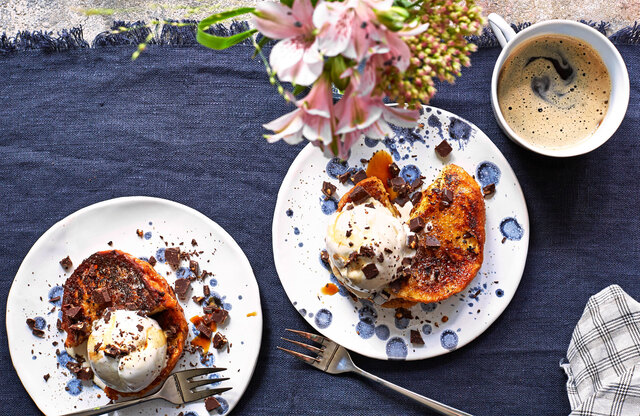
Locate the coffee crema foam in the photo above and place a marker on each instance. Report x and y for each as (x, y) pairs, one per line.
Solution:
(553, 91)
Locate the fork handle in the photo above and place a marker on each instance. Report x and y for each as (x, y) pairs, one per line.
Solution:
(434, 405)
(111, 407)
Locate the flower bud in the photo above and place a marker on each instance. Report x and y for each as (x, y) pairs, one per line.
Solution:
(337, 66)
(393, 18)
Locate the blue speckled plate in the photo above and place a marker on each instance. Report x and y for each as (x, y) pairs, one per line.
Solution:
(302, 214)
(89, 230)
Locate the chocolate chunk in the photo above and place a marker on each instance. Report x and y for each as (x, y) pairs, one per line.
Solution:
(328, 189)
(344, 177)
(359, 195)
(110, 243)
(172, 255)
(431, 241)
(96, 347)
(367, 251)
(416, 198)
(182, 287)
(46, 377)
(394, 170)
(152, 261)
(66, 263)
(416, 224)
(401, 200)
(388, 250)
(416, 184)
(114, 351)
(416, 338)
(443, 149)
(209, 309)
(210, 403)
(73, 366)
(107, 315)
(412, 242)
(72, 312)
(198, 299)
(370, 205)
(139, 327)
(130, 306)
(489, 190)
(406, 262)
(219, 340)
(206, 291)
(359, 176)
(85, 374)
(348, 233)
(370, 271)
(403, 313)
(380, 258)
(364, 161)
(194, 267)
(395, 285)
(219, 315)
(205, 331)
(59, 325)
(140, 233)
(397, 183)
(54, 299)
(102, 296)
(194, 242)
(38, 332)
(447, 196)
(31, 323)
(324, 257)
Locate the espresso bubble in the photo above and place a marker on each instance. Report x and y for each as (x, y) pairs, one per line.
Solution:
(550, 91)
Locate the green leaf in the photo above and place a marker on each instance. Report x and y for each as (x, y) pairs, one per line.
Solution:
(221, 42)
(299, 89)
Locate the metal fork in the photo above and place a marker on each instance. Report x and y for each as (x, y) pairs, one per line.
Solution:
(335, 359)
(179, 388)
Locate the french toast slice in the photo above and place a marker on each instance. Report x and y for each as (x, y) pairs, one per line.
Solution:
(129, 283)
(451, 246)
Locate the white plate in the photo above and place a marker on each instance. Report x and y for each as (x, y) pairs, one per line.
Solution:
(300, 222)
(89, 230)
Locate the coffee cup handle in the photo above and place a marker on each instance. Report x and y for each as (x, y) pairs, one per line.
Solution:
(503, 31)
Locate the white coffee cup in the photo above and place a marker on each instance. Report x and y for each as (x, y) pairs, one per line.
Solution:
(618, 100)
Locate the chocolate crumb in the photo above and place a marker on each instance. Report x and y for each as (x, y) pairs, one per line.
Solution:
(85, 374)
(344, 177)
(412, 242)
(324, 257)
(416, 338)
(416, 198)
(152, 261)
(443, 149)
(206, 291)
(46, 377)
(110, 243)
(66, 263)
(198, 299)
(194, 267)
(140, 233)
(194, 242)
(54, 299)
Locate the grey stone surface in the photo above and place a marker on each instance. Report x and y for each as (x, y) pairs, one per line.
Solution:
(54, 15)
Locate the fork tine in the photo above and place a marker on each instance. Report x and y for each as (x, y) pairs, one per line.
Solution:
(206, 393)
(198, 383)
(188, 374)
(303, 345)
(305, 358)
(313, 337)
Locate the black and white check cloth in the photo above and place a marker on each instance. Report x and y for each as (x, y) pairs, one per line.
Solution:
(603, 359)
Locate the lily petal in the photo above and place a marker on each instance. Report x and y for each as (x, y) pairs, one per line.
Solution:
(275, 20)
(287, 60)
(319, 100)
(284, 126)
(400, 116)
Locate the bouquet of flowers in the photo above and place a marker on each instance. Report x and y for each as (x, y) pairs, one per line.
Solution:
(367, 50)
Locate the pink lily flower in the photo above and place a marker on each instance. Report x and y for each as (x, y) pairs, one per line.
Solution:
(312, 119)
(295, 58)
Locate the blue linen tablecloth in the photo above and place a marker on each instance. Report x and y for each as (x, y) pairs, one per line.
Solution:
(184, 123)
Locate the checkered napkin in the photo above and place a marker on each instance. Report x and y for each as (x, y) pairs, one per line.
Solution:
(603, 359)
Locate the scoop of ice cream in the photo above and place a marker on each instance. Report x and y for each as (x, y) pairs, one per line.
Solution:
(366, 245)
(127, 351)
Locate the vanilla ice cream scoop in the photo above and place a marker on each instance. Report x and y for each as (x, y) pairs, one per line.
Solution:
(366, 245)
(127, 351)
